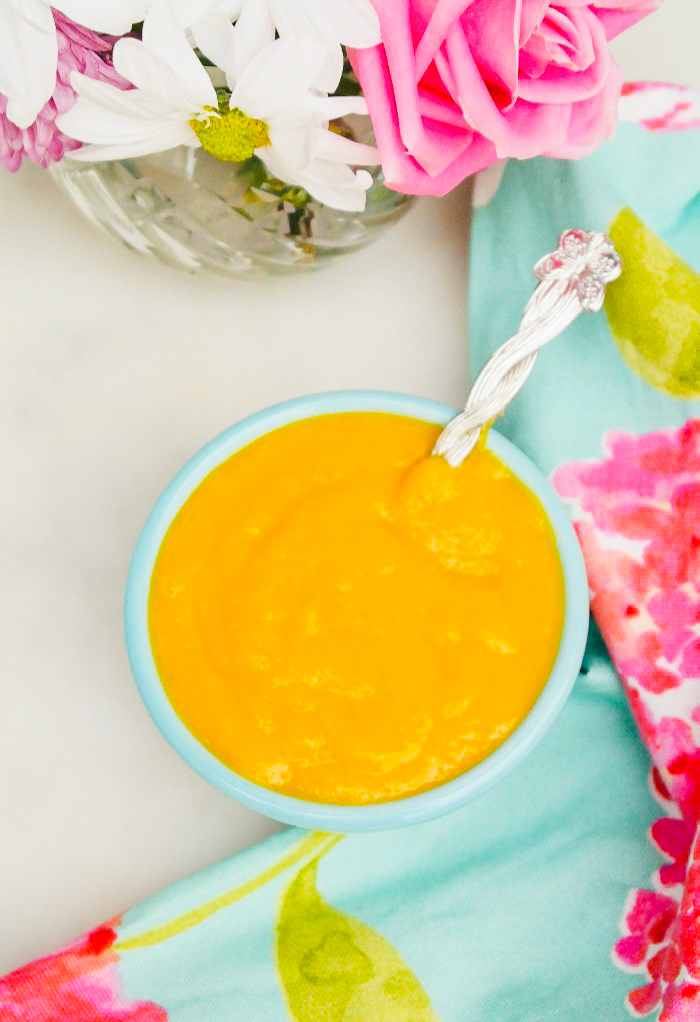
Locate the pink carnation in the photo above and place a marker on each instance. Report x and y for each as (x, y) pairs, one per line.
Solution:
(457, 84)
(42, 142)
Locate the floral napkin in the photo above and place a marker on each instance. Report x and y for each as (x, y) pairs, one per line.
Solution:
(636, 502)
(507, 909)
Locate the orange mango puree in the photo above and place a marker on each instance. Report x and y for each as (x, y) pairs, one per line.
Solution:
(341, 618)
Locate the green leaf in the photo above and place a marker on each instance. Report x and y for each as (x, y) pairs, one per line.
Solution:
(334, 968)
(654, 309)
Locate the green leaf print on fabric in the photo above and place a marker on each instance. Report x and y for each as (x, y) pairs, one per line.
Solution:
(334, 968)
(654, 309)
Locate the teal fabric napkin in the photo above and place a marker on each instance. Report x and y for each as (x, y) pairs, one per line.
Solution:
(509, 908)
(611, 410)
(505, 910)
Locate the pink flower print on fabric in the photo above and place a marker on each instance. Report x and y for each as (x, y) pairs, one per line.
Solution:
(660, 106)
(637, 515)
(650, 923)
(673, 838)
(80, 984)
(679, 970)
(42, 142)
(647, 920)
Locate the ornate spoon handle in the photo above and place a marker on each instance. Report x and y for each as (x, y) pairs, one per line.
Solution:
(571, 279)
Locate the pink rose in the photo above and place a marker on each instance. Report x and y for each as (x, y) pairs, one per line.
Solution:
(457, 84)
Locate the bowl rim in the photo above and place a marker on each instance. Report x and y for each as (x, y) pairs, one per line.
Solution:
(412, 808)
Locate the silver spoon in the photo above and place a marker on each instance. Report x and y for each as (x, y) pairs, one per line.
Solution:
(572, 278)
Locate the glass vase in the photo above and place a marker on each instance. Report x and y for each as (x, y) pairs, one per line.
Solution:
(194, 212)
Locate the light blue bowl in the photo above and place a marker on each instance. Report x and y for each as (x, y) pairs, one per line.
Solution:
(413, 808)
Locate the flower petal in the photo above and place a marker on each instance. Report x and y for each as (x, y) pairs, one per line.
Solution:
(215, 36)
(277, 77)
(332, 107)
(254, 31)
(163, 36)
(157, 142)
(332, 22)
(189, 12)
(292, 145)
(350, 22)
(28, 59)
(112, 16)
(328, 145)
(163, 82)
(100, 98)
(336, 185)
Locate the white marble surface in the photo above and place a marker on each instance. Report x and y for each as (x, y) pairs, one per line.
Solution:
(113, 370)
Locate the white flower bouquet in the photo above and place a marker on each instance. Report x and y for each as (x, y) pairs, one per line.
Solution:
(451, 86)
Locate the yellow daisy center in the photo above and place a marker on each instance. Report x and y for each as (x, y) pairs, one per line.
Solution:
(231, 136)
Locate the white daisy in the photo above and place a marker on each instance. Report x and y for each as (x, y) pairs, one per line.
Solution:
(29, 49)
(273, 111)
